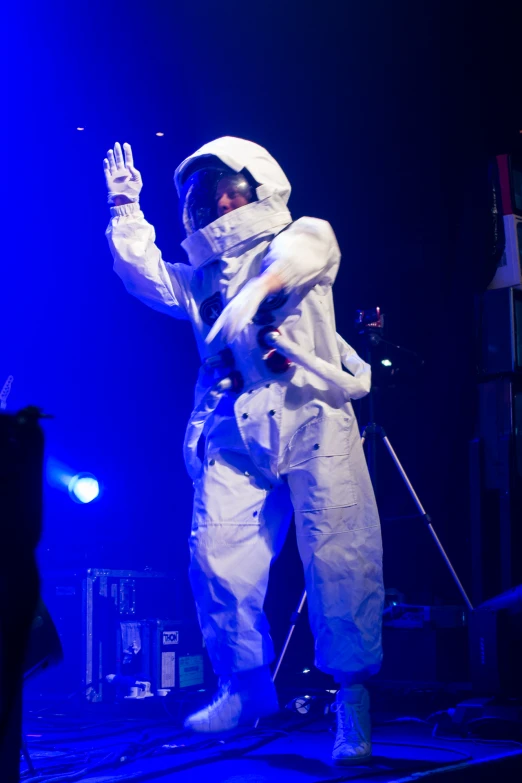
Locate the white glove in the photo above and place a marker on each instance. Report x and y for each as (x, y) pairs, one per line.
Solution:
(120, 175)
(239, 311)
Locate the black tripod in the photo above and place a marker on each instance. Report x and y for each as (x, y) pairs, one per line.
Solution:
(371, 327)
(375, 430)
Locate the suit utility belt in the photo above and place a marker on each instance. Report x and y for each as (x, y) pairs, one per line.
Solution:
(280, 354)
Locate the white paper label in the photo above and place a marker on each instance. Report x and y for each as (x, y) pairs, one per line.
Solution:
(168, 670)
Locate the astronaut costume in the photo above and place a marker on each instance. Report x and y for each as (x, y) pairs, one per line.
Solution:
(280, 436)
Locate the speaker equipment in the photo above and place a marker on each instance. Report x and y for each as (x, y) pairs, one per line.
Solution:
(21, 457)
(501, 332)
(425, 645)
(44, 648)
(173, 655)
(496, 489)
(495, 639)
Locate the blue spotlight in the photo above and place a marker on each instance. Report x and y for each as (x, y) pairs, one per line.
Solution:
(83, 488)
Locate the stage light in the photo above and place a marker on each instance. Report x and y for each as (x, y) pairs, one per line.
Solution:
(306, 671)
(160, 134)
(80, 128)
(83, 488)
(386, 363)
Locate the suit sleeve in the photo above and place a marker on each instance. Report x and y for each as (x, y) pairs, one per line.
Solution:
(138, 262)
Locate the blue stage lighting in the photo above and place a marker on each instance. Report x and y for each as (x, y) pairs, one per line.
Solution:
(84, 488)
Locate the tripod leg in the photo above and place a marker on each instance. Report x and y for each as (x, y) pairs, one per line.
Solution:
(427, 520)
(27, 757)
(293, 622)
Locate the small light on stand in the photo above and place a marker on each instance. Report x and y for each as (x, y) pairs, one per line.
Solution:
(386, 363)
(80, 129)
(160, 133)
(306, 671)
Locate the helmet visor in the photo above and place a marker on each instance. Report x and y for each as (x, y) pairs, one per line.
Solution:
(211, 192)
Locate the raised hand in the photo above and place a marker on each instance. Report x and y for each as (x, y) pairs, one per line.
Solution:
(123, 180)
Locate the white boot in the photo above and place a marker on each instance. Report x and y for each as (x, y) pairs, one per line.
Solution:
(353, 741)
(239, 700)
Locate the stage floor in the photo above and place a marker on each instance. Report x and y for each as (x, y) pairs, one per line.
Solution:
(97, 743)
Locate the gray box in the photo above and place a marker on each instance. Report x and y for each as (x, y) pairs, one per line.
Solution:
(173, 655)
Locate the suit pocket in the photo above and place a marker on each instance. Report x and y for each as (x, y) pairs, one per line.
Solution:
(320, 472)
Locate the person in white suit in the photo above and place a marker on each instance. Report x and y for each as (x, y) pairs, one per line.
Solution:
(281, 437)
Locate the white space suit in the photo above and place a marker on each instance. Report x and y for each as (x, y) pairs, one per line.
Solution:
(288, 442)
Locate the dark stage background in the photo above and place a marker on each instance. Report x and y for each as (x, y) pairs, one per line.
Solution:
(383, 115)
